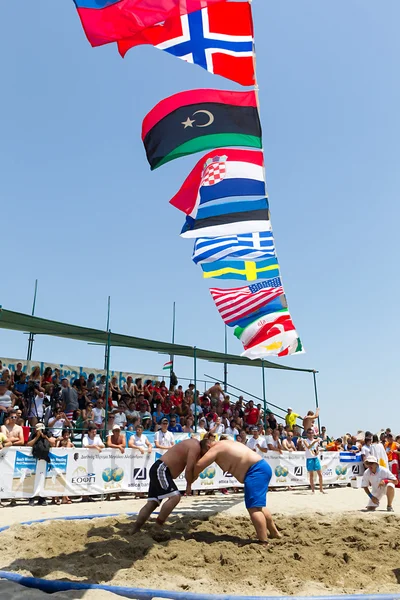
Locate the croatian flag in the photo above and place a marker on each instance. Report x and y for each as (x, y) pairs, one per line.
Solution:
(218, 38)
(222, 173)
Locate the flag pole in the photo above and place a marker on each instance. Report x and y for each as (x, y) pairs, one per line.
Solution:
(226, 364)
(171, 358)
(106, 349)
(31, 338)
(195, 385)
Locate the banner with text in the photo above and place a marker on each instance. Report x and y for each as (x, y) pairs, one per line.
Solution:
(72, 372)
(82, 472)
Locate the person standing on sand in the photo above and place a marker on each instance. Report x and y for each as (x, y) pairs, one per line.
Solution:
(254, 472)
(313, 463)
(162, 474)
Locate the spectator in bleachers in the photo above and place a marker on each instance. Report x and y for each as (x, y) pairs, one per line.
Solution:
(131, 412)
(11, 430)
(288, 443)
(20, 387)
(7, 400)
(128, 390)
(188, 427)
(35, 377)
(115, 392)
(17, 373)
(174, 426)
(92, 440)
(232, 430)
(58, 422)
(139, 441)
(36, 409)
(69, 398)
(56, 379)
(120, 417)
(201, 428)
(218, 428)
(251, 415)
(138, 387)
(273, 442)
(99, 414)
(163, 438)
(257, 443)
(46, 377)
(116, 439)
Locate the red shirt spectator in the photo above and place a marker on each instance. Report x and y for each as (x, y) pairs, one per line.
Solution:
(176, 400)
(251, 414)
(164, 389)
(166, 405)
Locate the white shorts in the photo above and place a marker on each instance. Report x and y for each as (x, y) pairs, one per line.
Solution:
(379, 493)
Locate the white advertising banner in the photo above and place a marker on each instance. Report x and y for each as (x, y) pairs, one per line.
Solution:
(72, 372)
(82, 472)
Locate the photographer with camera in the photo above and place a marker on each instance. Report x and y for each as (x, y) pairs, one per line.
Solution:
(40, 444)
(34, 404)
(58, 422)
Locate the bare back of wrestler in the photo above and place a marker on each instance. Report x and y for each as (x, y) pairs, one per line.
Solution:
(254, 472)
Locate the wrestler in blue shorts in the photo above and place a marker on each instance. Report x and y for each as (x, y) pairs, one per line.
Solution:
(251, 470)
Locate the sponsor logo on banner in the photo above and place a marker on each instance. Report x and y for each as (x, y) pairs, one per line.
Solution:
(56, 471)
(24, 473)
(112, 477)
(139, 474)
(355, 469)
(81, 477)
(208, 475)
(298, 471)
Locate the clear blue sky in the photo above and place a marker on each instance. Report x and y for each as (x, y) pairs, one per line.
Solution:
(82, 212)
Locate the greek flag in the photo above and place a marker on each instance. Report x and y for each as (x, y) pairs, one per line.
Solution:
(245, 245)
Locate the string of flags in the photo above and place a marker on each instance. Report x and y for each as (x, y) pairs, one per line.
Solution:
(224, 198)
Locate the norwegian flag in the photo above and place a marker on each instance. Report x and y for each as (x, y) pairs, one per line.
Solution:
(218, 38)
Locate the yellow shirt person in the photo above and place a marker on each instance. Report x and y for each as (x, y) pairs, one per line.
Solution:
(290, 418)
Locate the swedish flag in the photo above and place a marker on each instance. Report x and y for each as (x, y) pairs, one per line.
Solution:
(246, 270)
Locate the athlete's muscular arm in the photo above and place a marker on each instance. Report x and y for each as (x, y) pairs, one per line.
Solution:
(193, 455)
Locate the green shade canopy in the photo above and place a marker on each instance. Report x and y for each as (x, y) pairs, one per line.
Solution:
(20, 322)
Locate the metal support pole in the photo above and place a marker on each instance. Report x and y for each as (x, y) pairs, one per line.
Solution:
(226, 364)
(195, 385)
(108, 327)
(31, 336)
(107, 381)
(316, 396)
(264, 397)
(171, 358)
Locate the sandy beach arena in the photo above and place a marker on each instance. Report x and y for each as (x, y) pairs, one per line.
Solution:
(328, 547)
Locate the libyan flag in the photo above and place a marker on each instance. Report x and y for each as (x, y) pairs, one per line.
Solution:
(199, 120)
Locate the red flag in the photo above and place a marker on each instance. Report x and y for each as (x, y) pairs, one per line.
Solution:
(106, 21)
(218, 38)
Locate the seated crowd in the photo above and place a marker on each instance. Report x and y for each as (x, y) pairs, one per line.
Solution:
(80, 414)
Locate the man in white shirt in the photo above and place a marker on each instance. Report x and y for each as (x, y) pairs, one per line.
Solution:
(366, 450)
(120, 418)
(164, 439)
(201, 428)
(92, 440)
(257, 443)
(382, 483)
(99, 414)
(232, 430)
(273, 442)
(218, 428)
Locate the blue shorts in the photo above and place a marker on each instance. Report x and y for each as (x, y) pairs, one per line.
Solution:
(256, 484)
(313, 464)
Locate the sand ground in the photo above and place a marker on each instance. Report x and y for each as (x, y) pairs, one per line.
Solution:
(329, 546)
